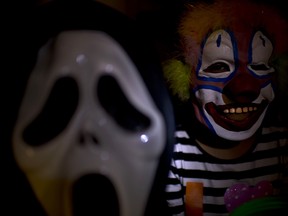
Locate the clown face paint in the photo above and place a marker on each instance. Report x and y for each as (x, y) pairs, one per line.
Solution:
(232, 88)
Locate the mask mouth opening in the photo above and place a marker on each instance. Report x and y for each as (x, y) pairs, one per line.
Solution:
(236, 117)
(94, 194)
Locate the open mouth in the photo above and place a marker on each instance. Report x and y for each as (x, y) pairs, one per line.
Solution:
(236, 117)
(94, 194)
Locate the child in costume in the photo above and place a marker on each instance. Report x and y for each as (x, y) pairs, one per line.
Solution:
(227, 77)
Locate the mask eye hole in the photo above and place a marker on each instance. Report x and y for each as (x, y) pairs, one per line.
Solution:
(117, 105)
(56, 114)
(259, 67)
(218, 67)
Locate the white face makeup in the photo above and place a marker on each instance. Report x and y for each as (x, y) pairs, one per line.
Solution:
(217, 56)
(232, 94)
(79, 70)
(261, 51)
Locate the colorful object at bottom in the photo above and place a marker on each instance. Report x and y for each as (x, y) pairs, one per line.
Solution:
(266, 206)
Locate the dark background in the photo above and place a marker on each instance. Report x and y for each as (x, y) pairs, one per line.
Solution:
(158, 18)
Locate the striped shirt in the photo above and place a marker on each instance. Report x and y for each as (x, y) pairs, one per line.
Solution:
(268, 161)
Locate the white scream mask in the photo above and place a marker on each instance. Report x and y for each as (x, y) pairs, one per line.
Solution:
(86, 113)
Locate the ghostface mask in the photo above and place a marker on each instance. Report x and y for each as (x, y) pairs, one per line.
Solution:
(89, 134)
(85, 113)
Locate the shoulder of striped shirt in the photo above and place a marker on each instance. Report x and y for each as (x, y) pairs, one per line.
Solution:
(183, 134)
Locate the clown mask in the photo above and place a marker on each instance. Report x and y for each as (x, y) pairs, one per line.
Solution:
(226, 65)
(233, 83)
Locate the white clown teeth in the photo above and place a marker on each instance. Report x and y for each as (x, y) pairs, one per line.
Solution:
(239, 110)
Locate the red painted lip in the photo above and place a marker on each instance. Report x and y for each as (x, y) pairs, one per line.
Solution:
(222, 119)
